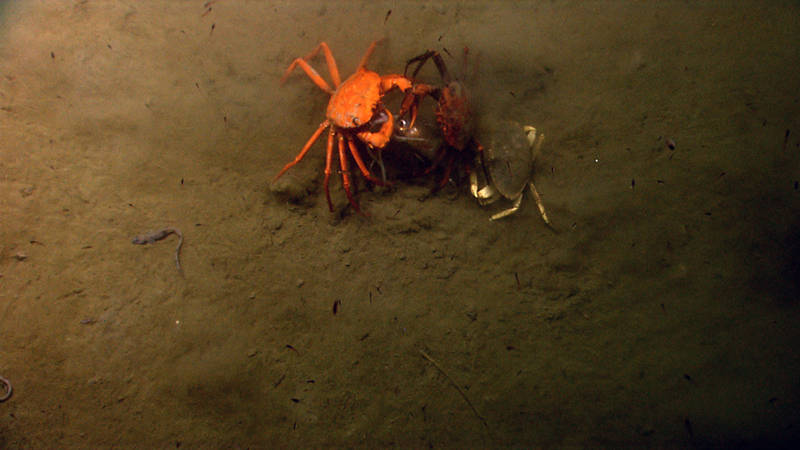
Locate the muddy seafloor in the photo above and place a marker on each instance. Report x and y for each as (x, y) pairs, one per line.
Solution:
(663, 310)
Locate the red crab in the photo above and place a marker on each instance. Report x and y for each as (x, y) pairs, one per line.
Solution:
(454, 113)
(355, 111)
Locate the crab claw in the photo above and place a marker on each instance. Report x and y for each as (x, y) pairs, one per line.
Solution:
(412, 98)
(379, 138)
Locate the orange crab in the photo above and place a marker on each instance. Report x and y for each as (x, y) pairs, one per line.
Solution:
(354, 111)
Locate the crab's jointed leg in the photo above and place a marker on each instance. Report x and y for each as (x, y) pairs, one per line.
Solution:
(313, 74)
(509, 211)
(346, 175)
(328, 159)
(360, 163)
(368, 53)
(539, 203)
(305, 149)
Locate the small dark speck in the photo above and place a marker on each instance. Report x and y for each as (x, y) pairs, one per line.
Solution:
(52, 55)
(181, 181)
(633, 183)
(510, 347)
(687, 377)
(795, 185)
(708, 213)
(670, 143)
(296, 400)
(688, 424)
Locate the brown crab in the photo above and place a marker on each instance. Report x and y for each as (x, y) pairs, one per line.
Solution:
(505, 166)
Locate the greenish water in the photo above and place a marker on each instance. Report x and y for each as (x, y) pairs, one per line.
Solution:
(660, 310)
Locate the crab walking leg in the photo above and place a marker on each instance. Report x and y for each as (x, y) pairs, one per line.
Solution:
(451, 159)
(346, 175)
(377, 157)
(473, 184)
(440, 154)
(305, 149)
(421, 59)
(539, 203)
(313, 74)
(537, 147)
(332, 68)
(368, 53)
(509, 211)
(443, 72)
(318, 80)
(360, 163)
(328, 158)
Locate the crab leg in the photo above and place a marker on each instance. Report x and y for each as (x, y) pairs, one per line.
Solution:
(360, 163)
(509, 211)
(305, 149)
(451, 159)
(437, 59)
(318, 80)
(313, 74)
(440, 154)
(419, 58)
(346, 175)
(368, 53)
(539, 203)
(332, 68)
(328, 158)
